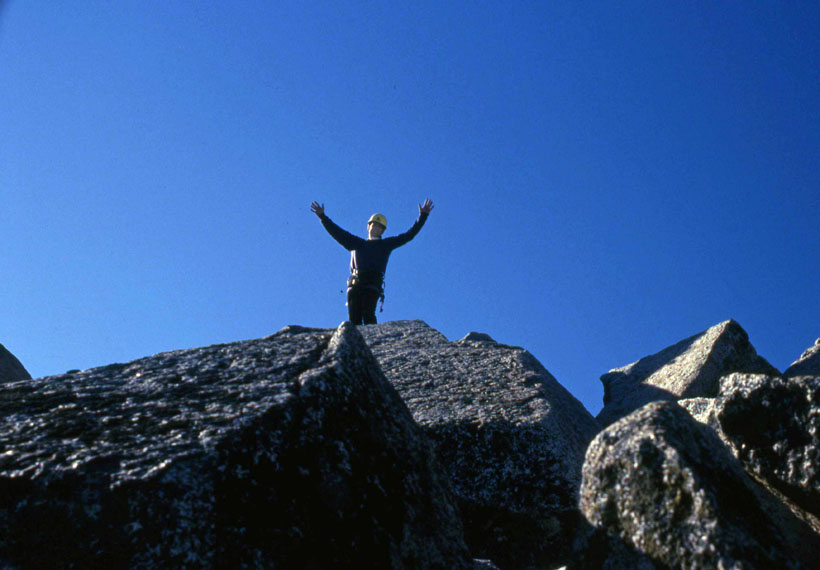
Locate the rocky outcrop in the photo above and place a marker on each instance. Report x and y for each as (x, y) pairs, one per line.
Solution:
(808, 364)
(689, 369)
(386, 446)
(773, 426)
(511, 437)
(10, 367)
(702, 409)
(477, 337)
(662, 490)
(286, 452)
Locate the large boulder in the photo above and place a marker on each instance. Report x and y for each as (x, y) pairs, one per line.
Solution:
(662, 490)
(10, 368)
(808, 364)
(512, 438)
(291, 451)
(773, 426)
(691, 368)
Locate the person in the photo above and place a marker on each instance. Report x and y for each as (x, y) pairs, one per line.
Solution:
(368, 259)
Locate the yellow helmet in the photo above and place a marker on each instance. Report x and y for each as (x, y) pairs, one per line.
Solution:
(379, 219)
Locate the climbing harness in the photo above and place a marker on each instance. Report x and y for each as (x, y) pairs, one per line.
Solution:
(369, 279)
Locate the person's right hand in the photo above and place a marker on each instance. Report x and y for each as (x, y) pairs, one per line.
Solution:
(427, 207)
(318, 209)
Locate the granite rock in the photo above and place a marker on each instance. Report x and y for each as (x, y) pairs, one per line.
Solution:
(10, 368)
(291, 451)
(691, 368)
(665, 490)
(808, 364)
(511, 437)
(477, 337)
(702, 409)
(773, 426)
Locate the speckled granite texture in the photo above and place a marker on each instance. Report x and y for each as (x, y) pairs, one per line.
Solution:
(691, 368)
(511, 437)
(665, 488)
(291, 451)
(772, 425)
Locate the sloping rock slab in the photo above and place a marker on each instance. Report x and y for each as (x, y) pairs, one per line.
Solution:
(702, 409)
(291, 451)
(808, 364)
(773, 427)
(667, 488)
(10, 368)
(511, 437)
(689, 369)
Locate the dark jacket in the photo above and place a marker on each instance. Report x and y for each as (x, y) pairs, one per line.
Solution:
(370, 255)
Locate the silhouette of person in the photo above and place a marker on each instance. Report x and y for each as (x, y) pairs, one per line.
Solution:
(368, 259)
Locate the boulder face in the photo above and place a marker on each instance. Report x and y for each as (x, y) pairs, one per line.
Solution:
(662, 490)
(691, 368)
(511, 437)
(808, 364)
(10, 368)
(702, 409)
(291, 451)
(773, 427)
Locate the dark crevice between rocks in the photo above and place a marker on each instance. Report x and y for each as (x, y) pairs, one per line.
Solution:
(517, 541)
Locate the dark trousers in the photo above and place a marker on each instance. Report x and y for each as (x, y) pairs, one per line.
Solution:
(361, 305)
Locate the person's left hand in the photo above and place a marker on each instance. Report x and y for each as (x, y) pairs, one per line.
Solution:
(427, 207)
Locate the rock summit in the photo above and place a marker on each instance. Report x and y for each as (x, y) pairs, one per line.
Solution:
(391, 447)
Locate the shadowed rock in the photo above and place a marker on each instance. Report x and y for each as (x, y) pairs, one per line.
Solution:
(689, 369)
(773, 427)
(286, 452)
(808, 364)
(511, 437)
(482, 564)
(10, 368)
(662, 487)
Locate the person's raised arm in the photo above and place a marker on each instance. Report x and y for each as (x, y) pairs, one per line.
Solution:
(345, 238)
(424, 211)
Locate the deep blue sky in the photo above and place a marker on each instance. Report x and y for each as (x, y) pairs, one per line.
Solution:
(609, 178)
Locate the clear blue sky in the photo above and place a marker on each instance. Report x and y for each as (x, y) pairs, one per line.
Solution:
(608, 178)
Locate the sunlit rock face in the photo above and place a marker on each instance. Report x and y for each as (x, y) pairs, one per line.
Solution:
(661, 490)
(291, 451)
(702, 409)
(10, 368)
(691, 368)
(510, 436)
(808, 364)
